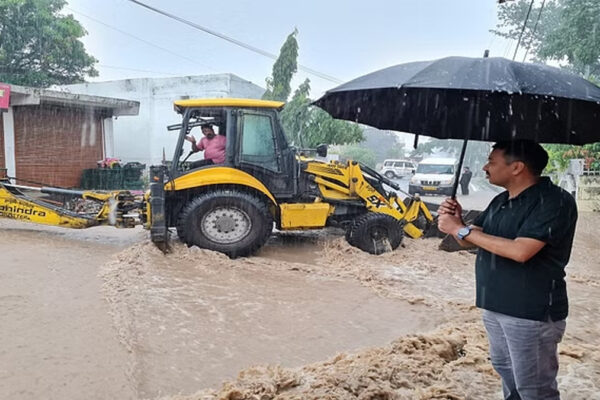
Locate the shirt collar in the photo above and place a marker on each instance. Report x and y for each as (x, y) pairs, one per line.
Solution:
(544, 181)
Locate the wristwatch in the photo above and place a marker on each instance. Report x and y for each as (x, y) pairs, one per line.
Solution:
(463, 232)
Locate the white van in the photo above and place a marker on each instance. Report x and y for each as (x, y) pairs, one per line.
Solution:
(434, 175)
(397, 168)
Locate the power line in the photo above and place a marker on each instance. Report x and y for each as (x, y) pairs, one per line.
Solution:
(137, 70)
(534, 28)
(523, 29)
(140, 39)
(235, 41)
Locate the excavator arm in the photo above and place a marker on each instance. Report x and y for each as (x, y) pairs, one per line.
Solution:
(356, 182)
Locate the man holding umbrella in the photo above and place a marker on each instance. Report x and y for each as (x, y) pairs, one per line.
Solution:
(526, 233)
(524, 237)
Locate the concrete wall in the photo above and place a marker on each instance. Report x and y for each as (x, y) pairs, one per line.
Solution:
(588, 193)
(143, 138)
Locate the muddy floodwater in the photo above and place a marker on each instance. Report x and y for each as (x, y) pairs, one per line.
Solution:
(102, 314)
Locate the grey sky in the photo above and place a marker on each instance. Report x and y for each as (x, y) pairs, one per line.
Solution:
(344, 39)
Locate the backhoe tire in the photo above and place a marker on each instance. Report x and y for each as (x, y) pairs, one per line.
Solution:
(375, 233)
(228, 221)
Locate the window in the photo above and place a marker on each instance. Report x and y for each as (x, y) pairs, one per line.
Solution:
(258, 142)
(435, 169)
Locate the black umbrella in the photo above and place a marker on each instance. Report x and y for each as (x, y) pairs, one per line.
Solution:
(490, 99)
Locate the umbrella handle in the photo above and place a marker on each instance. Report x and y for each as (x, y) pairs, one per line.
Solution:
(459, 168)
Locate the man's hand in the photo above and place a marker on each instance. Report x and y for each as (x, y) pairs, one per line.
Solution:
(450, 216)
(190, 138)
(450, 206)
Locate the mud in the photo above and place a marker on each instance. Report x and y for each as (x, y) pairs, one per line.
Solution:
(309, 317)
(193, 317)
(449, 362)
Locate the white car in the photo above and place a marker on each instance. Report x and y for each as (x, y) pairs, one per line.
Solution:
(397, 168)
(434, 176)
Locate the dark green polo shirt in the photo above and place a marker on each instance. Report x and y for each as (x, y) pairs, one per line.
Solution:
(535, 289)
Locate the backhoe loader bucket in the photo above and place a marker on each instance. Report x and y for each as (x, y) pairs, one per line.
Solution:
(419, 220)
(159, 234)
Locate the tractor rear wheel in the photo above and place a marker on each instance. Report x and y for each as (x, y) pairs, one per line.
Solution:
(229, 221)
(375, 233)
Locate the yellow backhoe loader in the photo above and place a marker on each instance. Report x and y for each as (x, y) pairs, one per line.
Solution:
(232, 207)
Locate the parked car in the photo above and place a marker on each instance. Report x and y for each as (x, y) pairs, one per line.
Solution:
(397, 168)
(434, 175)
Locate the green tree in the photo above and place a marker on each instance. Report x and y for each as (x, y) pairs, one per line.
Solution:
(310, 126)
(305, 125)
(358, 153)
(396, 151)
(286, 65)
(576, 37)
(567, 31)
(39, 47)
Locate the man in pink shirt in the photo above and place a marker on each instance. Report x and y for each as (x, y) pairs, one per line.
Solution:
(212, 144)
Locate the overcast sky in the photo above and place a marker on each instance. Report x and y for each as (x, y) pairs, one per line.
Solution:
(340, 38)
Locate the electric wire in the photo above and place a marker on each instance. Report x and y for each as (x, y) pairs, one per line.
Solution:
(141, 40)
(534, 29)
(523, 29)
(137, 70)
(234, 41)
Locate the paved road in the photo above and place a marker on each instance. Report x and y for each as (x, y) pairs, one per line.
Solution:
(480, 194)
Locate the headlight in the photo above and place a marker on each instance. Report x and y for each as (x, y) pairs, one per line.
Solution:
(414, 180)
(447, 182)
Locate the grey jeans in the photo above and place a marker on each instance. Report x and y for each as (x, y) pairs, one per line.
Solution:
(524, 353)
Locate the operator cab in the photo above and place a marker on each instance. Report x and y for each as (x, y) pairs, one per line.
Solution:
(255, 141)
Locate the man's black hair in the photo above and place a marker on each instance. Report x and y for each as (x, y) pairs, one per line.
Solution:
(530, 153)
(207, 125)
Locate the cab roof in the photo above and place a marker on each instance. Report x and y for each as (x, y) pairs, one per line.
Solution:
(226, 102)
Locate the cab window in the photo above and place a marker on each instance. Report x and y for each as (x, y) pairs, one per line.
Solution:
(258, 141)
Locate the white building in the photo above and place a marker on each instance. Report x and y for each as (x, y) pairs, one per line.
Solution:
(144, 137)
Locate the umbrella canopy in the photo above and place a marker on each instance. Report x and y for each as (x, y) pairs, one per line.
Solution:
(490, 99)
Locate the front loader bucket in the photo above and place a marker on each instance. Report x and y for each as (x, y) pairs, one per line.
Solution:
(159, 234)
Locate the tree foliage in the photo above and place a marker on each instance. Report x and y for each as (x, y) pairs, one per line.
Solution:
(40, 47)
(310, 126)
(305, 125)
(397, 151)
(576, 37)
(284, 68)
(567, 31)
(358, 153)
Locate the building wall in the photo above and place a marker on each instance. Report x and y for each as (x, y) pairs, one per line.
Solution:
(144, 137)
(2, 162)
(53, 144)
(588, 193)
